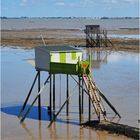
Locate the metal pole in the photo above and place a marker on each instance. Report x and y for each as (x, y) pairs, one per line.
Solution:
(67, 105)
(80, 118)
(50, 109)
(54, 93)
(39, 98)
(23, 107)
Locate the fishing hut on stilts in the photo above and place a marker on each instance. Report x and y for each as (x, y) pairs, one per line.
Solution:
(95, 37)
(69, 61)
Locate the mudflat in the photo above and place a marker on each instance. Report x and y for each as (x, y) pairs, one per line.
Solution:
(30, 38)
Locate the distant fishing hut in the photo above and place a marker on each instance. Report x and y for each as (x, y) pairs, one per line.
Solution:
(96, 37)
(69, 61)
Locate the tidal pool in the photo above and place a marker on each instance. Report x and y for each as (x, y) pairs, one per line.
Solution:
(116, 74)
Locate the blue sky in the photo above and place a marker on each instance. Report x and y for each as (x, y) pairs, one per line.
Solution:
(66, 8)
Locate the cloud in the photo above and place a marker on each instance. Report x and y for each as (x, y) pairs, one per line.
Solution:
(23, 2)
(78, 3)
(130, 1)
(109, 4)
(60, 3)
(111, 1)
(93, 2)
(120, 1)
(66, 4)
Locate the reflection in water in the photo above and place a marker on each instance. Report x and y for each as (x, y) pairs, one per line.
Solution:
(70, 133)
(51, 131)
(102, 136)
(68, 127)
(55, 131)
(28, 131)
(89, 133)
(98, 57)
(40, 129)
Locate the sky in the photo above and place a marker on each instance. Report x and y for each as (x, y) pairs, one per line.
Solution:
(70, 8)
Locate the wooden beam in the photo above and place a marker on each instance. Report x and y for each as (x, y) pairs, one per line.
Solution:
(39, 98)
(60, 110)
(102, 95)
(27, 112)
(80, 117)
(27, 98)
(67, 105)
(50, 107)
(82, 96)
(107, 101)
(54, 93)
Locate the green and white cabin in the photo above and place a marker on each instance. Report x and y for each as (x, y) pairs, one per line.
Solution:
(58, 59)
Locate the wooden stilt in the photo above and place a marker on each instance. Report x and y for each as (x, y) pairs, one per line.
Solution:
(67, 105)
(53, 93)
(107, 101)
(89, 110)
(27, 98)
(80, 117)
(50, 108)
(82, 96)
(27, 112)
(39, 98)
(60, 110)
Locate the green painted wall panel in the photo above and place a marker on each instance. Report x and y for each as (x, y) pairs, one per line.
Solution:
(74, 69)
(62, 57)
(63, 68)
(73, 55)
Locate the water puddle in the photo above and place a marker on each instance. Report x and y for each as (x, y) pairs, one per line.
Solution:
(116, 74)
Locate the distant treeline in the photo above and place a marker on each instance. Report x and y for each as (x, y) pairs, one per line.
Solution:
(4, 17)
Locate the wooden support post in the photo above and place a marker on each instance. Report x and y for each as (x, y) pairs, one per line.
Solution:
(87, 44)
(60, 110)
(107, 101)
(89, 104)
(53, 93)
(80, 117)
(50, 107)
(67, 105)
(26, 100)
(27, 112)
(106, 39)
(82, 96)
(89, 108)
(39, 98)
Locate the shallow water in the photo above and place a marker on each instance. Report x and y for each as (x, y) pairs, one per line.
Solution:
(67, 23)
(116, 74)
(126, 36)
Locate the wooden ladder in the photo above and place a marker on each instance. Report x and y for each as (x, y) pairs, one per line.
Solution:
(95, 97)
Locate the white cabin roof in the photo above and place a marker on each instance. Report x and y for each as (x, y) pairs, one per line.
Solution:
(51, 49)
